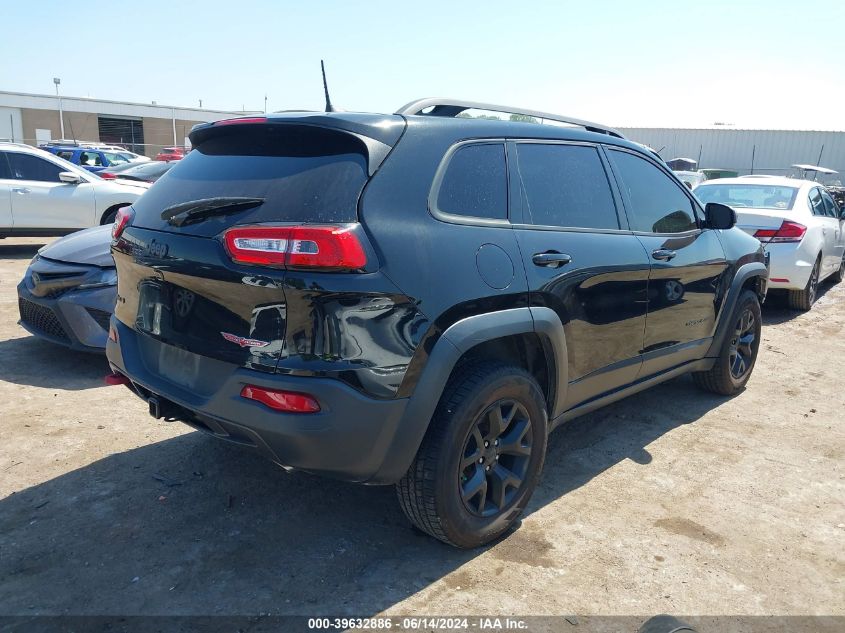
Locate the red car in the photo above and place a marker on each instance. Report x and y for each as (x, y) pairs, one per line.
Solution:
(172, 153)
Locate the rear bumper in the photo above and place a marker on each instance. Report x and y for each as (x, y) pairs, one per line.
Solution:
(353, 437)
(76, 319)
(789, 266)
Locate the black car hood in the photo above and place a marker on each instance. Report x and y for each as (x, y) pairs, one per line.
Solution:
(91, 246)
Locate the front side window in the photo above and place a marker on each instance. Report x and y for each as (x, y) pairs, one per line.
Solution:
(28, 167)
(657, 203)
(566, 186)
(475, 183)
(65, 154)
(90, 159)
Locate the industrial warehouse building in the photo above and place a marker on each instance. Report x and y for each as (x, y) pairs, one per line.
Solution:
(142, 128)
(747, 151)
(146, 128)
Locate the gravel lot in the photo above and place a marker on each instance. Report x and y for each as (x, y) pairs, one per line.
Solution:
(670, 501)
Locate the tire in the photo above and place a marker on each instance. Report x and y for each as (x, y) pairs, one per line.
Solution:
(804, 299)
(839, 275)
(109, 217)
(436, 494)
(738, 355)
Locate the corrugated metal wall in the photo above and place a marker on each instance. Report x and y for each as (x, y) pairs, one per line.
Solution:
(773, 150)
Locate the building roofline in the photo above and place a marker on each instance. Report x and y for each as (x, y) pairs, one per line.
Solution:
(724, 128)
(68, 99)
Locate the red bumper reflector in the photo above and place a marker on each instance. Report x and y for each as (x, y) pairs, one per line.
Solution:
(287, 401)
(786, 281)
(116, 379)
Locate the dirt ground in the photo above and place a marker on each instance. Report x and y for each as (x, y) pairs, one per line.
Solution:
(670, 501)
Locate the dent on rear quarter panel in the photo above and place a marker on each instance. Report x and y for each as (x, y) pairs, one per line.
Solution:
(433, 262)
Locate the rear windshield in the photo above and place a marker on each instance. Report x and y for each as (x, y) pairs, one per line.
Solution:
(754, 196)
(304, 174)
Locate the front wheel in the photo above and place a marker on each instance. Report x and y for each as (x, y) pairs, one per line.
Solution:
(481, 457)
(839, 275)
(738, 355)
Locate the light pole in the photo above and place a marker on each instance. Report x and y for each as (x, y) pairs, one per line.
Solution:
(57, 81)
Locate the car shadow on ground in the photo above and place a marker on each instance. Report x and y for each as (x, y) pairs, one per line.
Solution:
(192, 525)
(18, 251)
(30, 360)
(776, 308)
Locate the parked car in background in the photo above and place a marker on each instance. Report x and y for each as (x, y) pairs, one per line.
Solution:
(93, 159)
(690, 178)
(42, 194)
(713, 173)
(411, 299)
(172, 153)
(68, 293)
(144, 172)
(798, 223)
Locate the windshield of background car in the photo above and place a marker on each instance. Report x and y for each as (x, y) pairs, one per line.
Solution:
(753, 196)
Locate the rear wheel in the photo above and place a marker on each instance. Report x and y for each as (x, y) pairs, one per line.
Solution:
(481, 458)
(804, 299)
(735, 363)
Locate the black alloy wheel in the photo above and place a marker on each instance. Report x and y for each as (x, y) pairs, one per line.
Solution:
(495, 458)
(741, 352)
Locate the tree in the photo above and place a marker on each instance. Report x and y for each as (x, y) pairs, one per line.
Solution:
(523, 118)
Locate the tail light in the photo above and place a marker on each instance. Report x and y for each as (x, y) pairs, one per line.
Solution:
(788, 232)
(278, 400)
(121, 221)
(107, 176)
(317, 247)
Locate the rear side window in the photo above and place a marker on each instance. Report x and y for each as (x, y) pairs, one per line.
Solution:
(303, 174)
(28, 167)
(566, 186)
(816, 202)
(475, 183)
(5, 174)
(658, 204)
(66, 155)
(830, 207)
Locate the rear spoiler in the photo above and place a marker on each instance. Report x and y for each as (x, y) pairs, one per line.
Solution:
(377, 133)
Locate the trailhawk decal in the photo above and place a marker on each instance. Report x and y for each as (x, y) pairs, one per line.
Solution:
(244, 342)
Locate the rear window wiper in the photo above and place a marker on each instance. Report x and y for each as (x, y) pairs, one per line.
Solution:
(198, 210)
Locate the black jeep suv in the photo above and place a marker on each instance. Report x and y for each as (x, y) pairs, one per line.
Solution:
(419, 298)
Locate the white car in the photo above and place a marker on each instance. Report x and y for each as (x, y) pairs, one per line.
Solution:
(797, 221)
(44, 195)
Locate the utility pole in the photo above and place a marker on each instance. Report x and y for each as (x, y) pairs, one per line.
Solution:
(265, 103)
(57, 81)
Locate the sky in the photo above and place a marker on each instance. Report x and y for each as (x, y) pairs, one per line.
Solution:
(639, 63)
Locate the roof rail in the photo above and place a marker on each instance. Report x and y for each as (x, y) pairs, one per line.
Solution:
(453, 107)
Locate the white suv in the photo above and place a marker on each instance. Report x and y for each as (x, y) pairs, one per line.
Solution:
(797, 221)
(44, 195)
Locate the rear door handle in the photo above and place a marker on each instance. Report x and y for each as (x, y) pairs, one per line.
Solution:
(551, 259)
(20, 190)
(663, 254)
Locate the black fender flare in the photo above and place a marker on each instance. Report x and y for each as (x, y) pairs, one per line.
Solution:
(455, 341)
(743, 274)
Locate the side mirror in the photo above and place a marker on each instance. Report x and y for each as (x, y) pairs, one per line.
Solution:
(70, 178)
(719, 216)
